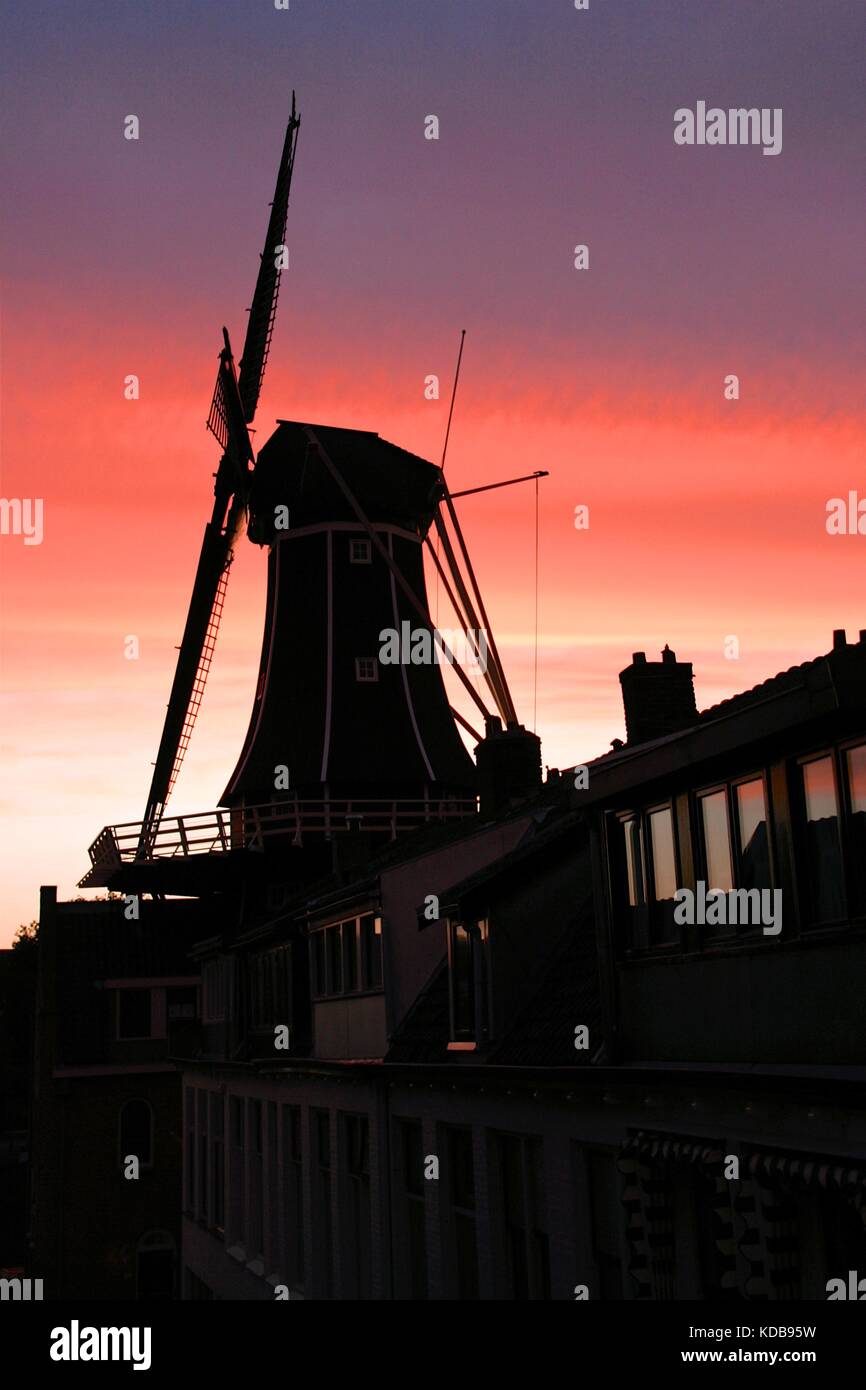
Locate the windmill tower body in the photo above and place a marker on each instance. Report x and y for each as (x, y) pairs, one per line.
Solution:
(340, 720)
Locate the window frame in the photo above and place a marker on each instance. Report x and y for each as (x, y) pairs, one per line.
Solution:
(351, 948)
(478, 933)
(853, 910)
(803, 870)
(855, 886)
(640, 924)
(365, 557)
(361, 679)
(760, 775)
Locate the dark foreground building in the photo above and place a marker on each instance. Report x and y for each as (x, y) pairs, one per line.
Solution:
(554, 1089)
(117, 993)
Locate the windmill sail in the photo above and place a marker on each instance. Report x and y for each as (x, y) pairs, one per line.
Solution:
(264, 306)
(232, 408)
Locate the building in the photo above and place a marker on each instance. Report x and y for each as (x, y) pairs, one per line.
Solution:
(116, 993)
(510, 1072)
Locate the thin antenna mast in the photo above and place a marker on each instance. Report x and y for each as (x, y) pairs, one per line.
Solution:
(496, 675)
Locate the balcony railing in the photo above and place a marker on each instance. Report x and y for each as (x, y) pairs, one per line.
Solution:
(251, 827)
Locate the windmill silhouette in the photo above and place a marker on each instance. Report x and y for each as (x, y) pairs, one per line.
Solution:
(337, 740)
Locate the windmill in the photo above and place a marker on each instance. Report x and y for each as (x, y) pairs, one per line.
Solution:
(232, 411)
(370, 745)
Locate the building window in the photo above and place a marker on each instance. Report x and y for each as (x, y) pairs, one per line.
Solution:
(136, 1132)
(349, 932)
(347, 957)
(202, 1209)
(217, 1149)
(323, 1220)
(823, 842)
(214, 991)
(255, 1164)
(734, 849)
(293, 1197)
(366, 668)
(664, 863)
(716, 841)
(360, 552)
(411, 1212)
(646, 874)
(189, 1150)
(270, 987)
(461, 1232)
(520, 1161)
(237, 1172)
(855, 766)
(752, 834)
(634, 863)
(605, 1210)
(356, 1238)
(468, 978)
(134, 1014)
(371, 952)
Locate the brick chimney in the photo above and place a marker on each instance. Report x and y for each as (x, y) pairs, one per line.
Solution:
(509, 766)
(659, 696)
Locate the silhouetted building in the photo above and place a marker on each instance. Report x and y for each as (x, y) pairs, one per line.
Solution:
(115, 997)
(17, 1005)
(553, 1085)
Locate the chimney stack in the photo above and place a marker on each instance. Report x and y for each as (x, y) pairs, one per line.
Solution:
(658, 696)
(509, 766)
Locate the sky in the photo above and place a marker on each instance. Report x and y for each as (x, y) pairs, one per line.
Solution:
(707, 515)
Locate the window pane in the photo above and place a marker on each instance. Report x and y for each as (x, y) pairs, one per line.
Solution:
(335, 966)
(350, 955)
(857, 779)
(633, 863)
(462, 1194)
(856, 759)
(462, 982)
(462, 1168)
(411, 1152)
(605, 1217)
(412, 1157)
(664, 862)
(717, 841)
(371, 951)
(754, 842)
(319, 963)
(822, 840)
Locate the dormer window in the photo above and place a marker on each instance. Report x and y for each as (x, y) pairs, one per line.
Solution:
(647, 845)
(360, 552)
(468, 982)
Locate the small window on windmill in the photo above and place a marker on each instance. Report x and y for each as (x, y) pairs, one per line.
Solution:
(360, 552)
(366, 668)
